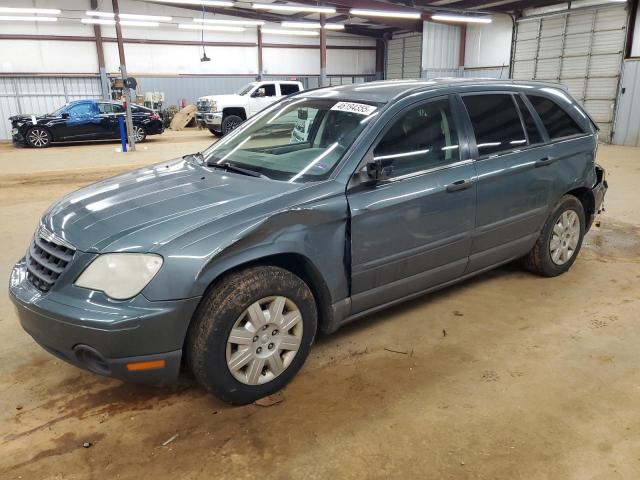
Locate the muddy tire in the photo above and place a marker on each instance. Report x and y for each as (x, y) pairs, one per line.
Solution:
(251, 333)
(560, 240)
(216, 133)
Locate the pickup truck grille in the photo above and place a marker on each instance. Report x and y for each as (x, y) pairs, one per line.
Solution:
(203, 105)
(46, 261)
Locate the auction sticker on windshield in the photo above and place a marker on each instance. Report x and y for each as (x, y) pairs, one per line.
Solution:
(359, 108)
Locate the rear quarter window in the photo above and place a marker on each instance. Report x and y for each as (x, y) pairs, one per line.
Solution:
(557, 122)
(288, 88)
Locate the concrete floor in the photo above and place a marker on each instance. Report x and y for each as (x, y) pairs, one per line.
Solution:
(505, 376)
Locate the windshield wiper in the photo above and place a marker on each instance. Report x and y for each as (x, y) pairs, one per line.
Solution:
(197, 156)
(233, 168)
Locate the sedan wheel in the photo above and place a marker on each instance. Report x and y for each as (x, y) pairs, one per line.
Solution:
(38, 137)
(264, 340)
(139, 133)
(565, 237)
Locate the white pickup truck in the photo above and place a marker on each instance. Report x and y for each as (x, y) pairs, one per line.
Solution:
(222, 113)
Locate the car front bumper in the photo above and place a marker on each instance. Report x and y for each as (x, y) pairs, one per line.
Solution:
(135, 340)
(209, 119)
(16, 137)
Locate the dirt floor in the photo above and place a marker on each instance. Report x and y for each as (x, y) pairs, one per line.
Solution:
(507, 376)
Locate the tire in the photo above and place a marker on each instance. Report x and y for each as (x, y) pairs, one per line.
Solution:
(560, 240)
(230, 123)
(140, 133)
(215, 132)
(38, 137)
(240, 373)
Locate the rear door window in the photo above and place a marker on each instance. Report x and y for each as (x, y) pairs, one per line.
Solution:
(558, 123)
(289, 88)
(529, 123)
(496, 123)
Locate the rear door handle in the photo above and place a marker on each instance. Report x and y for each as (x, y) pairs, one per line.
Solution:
(459, 185)
(543, 162)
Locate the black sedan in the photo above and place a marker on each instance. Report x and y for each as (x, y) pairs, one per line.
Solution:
(83, 120)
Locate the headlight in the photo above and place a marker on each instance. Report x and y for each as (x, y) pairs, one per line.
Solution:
(213, 106)
(120, 275)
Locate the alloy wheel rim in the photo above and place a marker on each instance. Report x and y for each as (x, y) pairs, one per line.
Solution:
(264, 340)
(38, 137)
(565, 237)
(137, 131)
(232, 125)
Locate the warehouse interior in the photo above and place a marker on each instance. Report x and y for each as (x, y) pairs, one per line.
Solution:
(505, 375)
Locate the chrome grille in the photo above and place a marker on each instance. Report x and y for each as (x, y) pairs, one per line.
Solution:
(46, 260)
(203, 105)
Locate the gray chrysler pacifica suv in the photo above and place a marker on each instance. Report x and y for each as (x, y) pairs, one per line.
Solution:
(325, 207)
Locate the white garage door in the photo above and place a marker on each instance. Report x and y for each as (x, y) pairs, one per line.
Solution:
(583, 50)
(404, 56)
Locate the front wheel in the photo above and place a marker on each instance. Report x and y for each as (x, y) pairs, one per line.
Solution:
(215, 132)
(251, 334)
(38, 137)
(560, 239)
(230, 123)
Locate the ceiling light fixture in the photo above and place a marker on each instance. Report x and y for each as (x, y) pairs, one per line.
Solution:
(360, 12)
(301, 33)
(14, 18)
(316, 25)
(202, 3)
(44, 11)
(292, 8)
(215, 21)
(460, 18)
(129, 16)
(214, 28)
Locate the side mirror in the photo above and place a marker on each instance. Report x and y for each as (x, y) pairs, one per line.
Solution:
(377, 171)
(65, 115)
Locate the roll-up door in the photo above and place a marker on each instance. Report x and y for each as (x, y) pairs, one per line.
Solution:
(581, 49)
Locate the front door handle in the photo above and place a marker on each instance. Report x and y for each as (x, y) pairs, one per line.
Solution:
(459, 185)
(543, 162)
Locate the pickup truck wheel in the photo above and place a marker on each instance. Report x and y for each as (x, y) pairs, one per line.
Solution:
(215, 132)
(251, 333)
(38, 137)
(230, 123)
(139, 133)
(560, 240)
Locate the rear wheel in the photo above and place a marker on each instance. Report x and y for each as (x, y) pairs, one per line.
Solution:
(252, 333)
(139, 133)
(38, 137)
(560, 239)
(230, 123)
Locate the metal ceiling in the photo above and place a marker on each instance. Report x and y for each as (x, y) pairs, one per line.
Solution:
(377, 27)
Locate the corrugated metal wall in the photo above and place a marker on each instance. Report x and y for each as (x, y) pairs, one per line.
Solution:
(581, 49)
(627, 126)
(23, 95)
(440, 46)
(490, 72)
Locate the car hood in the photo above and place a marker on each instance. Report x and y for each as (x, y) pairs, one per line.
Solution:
(147, 208)
(29, 118)
(225, 99)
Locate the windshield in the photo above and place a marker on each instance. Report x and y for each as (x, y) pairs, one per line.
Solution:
(246, 89)
(59, 111)
(298, 140)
